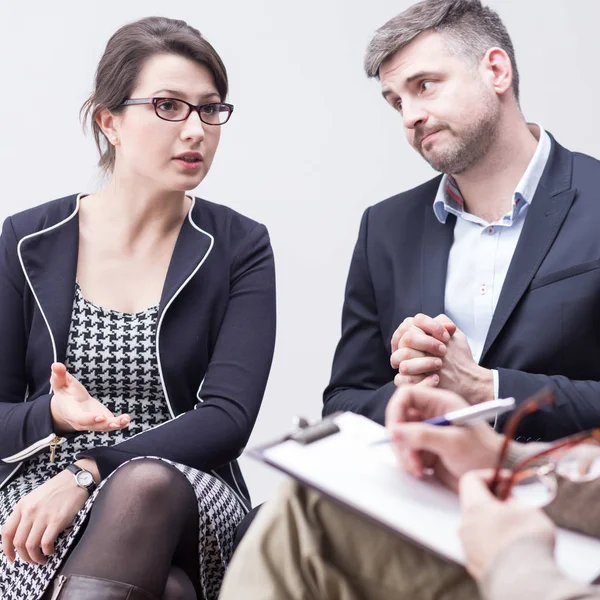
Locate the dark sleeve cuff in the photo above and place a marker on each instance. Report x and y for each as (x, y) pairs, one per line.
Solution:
(368, 403)
(107, 459)
(24, 426)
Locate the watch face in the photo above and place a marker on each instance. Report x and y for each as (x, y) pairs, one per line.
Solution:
(84, 478)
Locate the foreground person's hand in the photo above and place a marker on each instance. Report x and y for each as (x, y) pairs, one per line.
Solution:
(489, 525)
(448, 451)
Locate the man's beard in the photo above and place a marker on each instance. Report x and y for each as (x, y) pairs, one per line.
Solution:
(461, 153)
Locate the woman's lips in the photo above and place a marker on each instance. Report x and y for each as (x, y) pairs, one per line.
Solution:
(189, 161)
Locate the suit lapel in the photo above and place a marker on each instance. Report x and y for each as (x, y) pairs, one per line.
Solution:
(191, 250)
(550, 206)
(49, 259)
(437, 240)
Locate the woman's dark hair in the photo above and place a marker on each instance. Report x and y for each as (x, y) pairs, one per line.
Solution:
(124, 57)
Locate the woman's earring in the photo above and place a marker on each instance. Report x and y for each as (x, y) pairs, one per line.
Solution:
(114, 138)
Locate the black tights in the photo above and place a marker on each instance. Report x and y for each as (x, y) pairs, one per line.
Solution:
(143, 530)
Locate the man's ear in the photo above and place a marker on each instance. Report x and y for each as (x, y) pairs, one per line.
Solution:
(498, 70)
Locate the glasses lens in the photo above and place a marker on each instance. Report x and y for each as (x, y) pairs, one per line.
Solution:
(580, 463)
(533, 488)
(215, 113)
(171, 110)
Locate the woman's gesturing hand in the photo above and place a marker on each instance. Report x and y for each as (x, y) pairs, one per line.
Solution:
(73, 409)
(39, 518)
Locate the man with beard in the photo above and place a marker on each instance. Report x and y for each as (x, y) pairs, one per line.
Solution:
(485, 280)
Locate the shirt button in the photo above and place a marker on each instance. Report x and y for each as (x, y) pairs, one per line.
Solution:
(483, 289)
(490, 230)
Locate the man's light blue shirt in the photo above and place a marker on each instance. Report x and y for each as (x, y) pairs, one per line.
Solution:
(481, 252)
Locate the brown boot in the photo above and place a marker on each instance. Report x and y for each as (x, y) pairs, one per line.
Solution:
(82, 587)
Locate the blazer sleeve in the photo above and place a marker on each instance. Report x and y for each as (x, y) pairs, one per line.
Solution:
(216, 431)
(24, 426)
(362, 379)
(577, 406)
(526, 569)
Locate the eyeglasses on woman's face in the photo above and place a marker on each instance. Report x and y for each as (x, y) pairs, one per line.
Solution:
(175, 109)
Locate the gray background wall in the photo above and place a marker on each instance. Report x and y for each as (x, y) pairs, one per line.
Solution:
(310, 146)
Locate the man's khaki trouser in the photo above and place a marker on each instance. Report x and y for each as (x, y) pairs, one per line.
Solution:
(302, 546)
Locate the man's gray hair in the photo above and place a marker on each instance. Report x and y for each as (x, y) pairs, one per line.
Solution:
(470, 28)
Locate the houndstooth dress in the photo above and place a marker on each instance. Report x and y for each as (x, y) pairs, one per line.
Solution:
(114, 356)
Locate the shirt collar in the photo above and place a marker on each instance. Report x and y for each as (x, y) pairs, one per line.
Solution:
(449, 200)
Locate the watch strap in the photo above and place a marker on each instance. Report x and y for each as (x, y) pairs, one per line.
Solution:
(76, 470)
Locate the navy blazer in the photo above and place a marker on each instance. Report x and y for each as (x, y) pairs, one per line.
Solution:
(215, 335)
(545, 330)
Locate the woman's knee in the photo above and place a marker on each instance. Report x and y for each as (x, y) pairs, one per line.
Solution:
(149, 481)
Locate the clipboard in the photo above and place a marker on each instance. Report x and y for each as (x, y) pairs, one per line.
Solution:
(336, 457)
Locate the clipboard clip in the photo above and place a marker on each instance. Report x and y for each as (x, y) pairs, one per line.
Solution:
(306, 433)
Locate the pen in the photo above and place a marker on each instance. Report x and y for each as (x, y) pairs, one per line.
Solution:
(472, 414)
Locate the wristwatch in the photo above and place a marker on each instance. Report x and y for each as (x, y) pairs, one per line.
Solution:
(83, 478)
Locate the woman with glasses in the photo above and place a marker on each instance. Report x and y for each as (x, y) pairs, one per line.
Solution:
(328, 551)
(137, 328)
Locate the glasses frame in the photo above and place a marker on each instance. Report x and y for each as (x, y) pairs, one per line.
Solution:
(501, 488)
(191, 107)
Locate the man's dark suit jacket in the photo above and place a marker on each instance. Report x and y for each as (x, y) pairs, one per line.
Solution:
(546, 327)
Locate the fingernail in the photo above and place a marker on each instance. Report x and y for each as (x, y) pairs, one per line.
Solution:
(445, 336)
(435, 378)
(438, 363)
(114, 424)
(442, 348)
(98, 419)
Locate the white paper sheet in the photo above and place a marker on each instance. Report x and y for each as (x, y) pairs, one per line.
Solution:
(367, 479)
